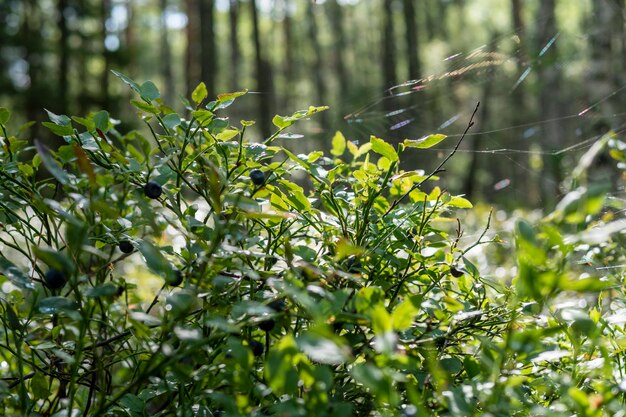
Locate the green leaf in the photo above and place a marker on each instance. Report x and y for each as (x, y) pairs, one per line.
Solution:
(199, 93)
(345, 248)
(55, 305)
(127, 80)
(59, 130)
(279, 367)
(375, 379)
(4, 115)
(133, 403)
(58, 119)
(339, 144)
(149, 91)
(322, 348)
(104, 290)
(460, 202)
(526, 232)
(51, 165)
(15, 275)
(425, 142)
(383, 148)
(281, 122)
(403, 315)
(55, 259)
(227, 134)
(39, 386)
(155, 261)
(171, 120)
(451, 365)
(367, 298)
(230, 96)
(143, 106)
(101, 120)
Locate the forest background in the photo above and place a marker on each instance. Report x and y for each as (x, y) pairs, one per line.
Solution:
(550, 75)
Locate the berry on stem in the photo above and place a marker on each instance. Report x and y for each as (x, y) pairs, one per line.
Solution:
(257, 347)
(267, 325)
(178, 278)
(153, 190)
(125, 246)
(257, 177)
(55, 279)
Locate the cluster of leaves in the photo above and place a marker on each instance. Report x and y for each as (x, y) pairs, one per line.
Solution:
(349, 297)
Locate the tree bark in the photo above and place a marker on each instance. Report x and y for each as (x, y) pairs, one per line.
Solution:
(411, 38)
(64, 57)
(318, 65)
(263, 76)
(235, 52)
(208, 55)
(337, 21)
(105, 97)
(166, 57)
(192, 52)
(288, 59)
(388, 45)
(550, 104)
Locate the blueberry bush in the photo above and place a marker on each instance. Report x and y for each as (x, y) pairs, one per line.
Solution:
(288, 284)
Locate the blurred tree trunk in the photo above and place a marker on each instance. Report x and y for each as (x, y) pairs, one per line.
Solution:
(288, 69)
(105, 99)
(208, 53)
(471, 187)
(520, 29)
(550, 102)
(263, 76)
(235, 53)
(318, 64)
(388, 53)
(192, 53)
(411, 38)
(430, 20)
(519, 99)
(64, 57)
(336, 20)
(166, 56)
(33, 43)
(607, 62)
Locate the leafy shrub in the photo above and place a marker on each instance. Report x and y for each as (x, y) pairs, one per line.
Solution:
(350, 297)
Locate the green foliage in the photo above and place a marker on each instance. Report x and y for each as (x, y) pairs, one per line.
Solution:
(348, 297)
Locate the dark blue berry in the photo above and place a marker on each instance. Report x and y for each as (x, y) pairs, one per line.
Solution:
(178, 278)
(153, 190)
(257, 348)
(125, 246)
(55, 279)
(257, 176)
(267, 325)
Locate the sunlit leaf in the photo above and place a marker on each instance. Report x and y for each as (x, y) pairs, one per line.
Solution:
(425, 142)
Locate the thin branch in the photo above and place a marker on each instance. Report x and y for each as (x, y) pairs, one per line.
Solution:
(439, 167)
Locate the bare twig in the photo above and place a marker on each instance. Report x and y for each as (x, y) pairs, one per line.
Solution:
(439, 167)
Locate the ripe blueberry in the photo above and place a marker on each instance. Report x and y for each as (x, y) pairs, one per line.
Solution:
(278, 305)
(153, 190)
(455, 272)
(125, 246)
(267, 325)
(257, 176)
(55, 279)
(178, 278)
(257, 347)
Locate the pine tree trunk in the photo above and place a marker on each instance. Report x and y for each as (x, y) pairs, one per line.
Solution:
(235, 53)
(208, 55)
(166, 57)
(263, 76)
(412, 45)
